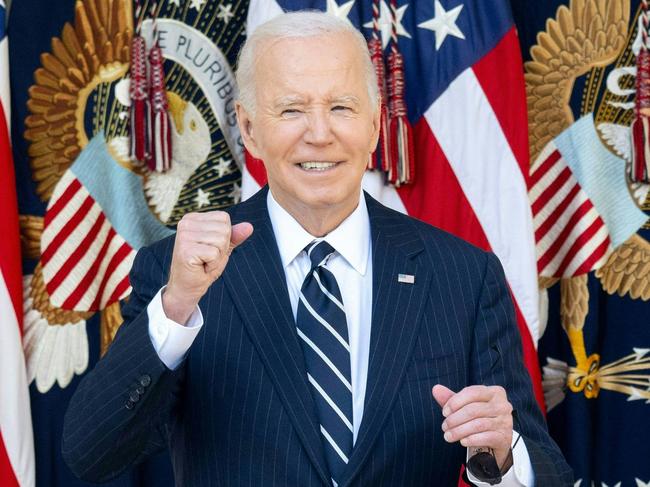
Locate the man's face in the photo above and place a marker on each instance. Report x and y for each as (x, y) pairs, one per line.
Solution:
(314, 125)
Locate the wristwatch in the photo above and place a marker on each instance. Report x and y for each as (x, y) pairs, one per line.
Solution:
(483, 465)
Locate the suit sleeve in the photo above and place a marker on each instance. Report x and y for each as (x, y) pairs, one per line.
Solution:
(119, 413)
(497, 360)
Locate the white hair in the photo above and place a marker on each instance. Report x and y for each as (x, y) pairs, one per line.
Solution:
(299, 24)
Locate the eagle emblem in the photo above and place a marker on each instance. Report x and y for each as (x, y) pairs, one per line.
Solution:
(586, 210)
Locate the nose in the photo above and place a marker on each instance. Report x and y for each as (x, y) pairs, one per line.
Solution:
(319, 128)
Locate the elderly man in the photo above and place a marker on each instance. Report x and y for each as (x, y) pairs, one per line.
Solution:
(303, 337)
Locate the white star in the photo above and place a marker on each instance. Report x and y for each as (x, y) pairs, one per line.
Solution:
(641, 483)
(175, 2)
(202, 198)
(339, 11)
(222, 167)
(225, 13)
(385, 23)
(235, 194)
(444, 24)
(197, 4)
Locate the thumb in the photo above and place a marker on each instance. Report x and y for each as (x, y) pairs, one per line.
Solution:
(240, 233)
(442, 394)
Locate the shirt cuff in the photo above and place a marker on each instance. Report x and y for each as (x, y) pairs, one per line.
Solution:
(520, 473)
(171, 340)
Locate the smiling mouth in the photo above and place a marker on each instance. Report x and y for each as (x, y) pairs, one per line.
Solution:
(317, 165)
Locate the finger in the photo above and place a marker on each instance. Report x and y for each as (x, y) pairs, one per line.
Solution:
(487, 439)
(469, 412)
(468, 395)
(216, 215)
(215, 239)
(206, 226)
(200, 254)
(240, 233)
(441, 394)
(473, 427)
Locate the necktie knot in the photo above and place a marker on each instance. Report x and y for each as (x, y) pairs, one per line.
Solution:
(318, 252)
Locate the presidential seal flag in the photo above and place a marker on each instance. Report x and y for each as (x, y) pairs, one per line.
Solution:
(87, 202)
(586, 76)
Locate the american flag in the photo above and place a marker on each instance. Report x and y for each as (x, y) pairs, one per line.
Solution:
(466, 100)
(16, 438)
(85, 261)
(571, 236)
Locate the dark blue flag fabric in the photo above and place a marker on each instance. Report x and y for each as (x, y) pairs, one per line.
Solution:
(590, 216)
(85, 205)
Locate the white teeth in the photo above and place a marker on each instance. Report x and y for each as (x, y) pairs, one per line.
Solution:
(317, 166)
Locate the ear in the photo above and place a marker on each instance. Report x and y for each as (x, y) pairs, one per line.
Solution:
(376, 125)
(245, 123)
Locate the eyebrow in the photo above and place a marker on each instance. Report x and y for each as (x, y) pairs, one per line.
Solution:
(298, 100)
(345, 99)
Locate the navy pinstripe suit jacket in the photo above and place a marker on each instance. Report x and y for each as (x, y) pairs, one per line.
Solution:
(239, 410)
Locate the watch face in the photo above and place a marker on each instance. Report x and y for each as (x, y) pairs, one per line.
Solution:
(483, 466)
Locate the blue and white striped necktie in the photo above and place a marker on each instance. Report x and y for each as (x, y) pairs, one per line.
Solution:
(323, 332)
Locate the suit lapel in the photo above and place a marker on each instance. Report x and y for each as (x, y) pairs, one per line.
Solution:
(256, 281)
(396, 312)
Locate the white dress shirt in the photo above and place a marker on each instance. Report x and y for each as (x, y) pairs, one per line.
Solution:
(351, 264)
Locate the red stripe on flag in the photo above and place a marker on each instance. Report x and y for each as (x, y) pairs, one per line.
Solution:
(541, 171)
(502, 66)
(550, 253)
(74, 258)
(580, 242)
(7, 476)
(117, 258)
(59, 204)
(555, 215)
(82, 287)
(598, 254)
(67, 229)
(552, 189)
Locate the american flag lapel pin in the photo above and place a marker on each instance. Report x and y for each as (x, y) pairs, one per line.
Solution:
(406, 278)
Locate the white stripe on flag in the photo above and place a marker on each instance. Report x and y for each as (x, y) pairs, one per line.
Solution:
(492, 182)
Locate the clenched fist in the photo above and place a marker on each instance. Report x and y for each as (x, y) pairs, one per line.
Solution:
(202, 248)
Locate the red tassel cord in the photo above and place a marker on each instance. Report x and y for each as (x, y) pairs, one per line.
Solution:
(640, 167)
(160, 125)
(380, 159)
(138, 93)
(402, 169)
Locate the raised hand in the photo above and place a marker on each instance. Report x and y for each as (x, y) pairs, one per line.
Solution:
(202, 248)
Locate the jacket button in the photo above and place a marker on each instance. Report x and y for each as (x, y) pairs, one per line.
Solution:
(145, 380)
(134, 396)
(129, 405)
(139, 390)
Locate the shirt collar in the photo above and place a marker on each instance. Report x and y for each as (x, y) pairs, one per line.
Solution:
(351, 238)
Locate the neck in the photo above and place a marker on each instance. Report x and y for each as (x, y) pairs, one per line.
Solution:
(319, 221)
